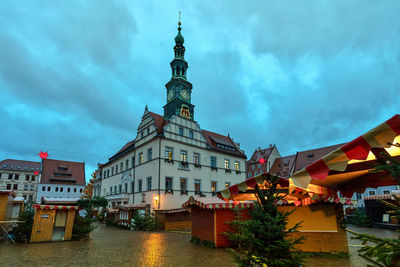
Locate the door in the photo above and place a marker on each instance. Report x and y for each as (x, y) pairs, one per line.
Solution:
(43, 225)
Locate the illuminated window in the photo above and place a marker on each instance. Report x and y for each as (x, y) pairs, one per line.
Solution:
(213, 186)
(227, 184)
(140, 157)
(227, 164)
(237, 166)
(386, 192)
(149, 154)
(169, 152)
(371, 193)
(197, 185)
(183, 156)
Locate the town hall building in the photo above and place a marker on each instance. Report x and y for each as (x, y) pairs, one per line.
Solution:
(171, 157)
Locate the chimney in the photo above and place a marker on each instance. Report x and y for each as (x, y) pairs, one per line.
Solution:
(270, 145)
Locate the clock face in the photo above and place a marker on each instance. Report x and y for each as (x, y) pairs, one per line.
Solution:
(185, 94)
(170, 94)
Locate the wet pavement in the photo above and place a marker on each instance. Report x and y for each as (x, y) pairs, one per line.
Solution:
(112, 246)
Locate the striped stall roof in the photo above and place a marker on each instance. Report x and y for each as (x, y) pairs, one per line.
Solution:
(215, 203)
(381, 136)
(234, 190)
(55, 207)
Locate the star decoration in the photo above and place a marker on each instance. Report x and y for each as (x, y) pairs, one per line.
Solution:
(36, 173)
(43, 155)
(261, 160)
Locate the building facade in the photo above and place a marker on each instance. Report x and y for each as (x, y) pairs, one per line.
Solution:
(261, 161)
(61, 179)
(171, 157)
(21, 176)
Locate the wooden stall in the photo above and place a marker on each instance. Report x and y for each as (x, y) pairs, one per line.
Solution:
(126, 212)
(53, 223)
(174, 219)
(6, 203)
(210, 218)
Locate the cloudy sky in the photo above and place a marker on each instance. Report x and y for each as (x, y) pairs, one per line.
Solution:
(75, 76)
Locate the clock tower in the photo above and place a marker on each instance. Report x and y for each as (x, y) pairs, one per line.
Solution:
(179, 89)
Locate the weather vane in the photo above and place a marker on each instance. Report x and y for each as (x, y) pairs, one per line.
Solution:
(179, 16)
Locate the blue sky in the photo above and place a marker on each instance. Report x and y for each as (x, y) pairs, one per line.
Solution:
(75, 76)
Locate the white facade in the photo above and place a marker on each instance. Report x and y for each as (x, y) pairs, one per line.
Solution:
(59, 191)
(166, 167)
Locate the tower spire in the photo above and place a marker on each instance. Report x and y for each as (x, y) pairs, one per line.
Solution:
(179, 89)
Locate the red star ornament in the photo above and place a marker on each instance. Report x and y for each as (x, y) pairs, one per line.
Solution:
(261, 160)
(43, 155)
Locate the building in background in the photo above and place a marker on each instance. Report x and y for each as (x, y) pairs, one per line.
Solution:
(61, 179)
(171, 157)
(20, 176)
(261, 161)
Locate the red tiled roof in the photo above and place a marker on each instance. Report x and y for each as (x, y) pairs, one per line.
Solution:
(19, 165)
(213, 139)
(75, 173)
(283, 166)
(159, 122)
(305, 158)
(262, 153)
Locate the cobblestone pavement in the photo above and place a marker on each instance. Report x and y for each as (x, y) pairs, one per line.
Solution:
(112, 246)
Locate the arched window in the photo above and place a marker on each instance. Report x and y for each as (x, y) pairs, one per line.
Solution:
(177, 70)
(255, 173)
(249, 174)
(183, 71)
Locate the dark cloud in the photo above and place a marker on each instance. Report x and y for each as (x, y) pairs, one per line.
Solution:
(75, 76)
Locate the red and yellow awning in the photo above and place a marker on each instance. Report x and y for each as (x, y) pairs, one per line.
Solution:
(381, 137)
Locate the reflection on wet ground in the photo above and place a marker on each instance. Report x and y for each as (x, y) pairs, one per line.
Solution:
(111, 246)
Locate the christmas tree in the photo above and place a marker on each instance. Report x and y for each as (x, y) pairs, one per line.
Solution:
(264, 239)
